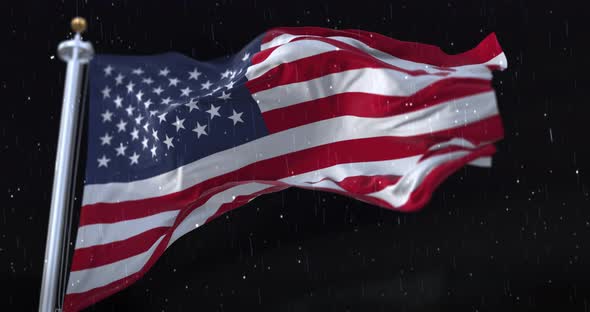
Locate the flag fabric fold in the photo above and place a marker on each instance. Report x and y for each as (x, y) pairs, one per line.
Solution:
(174, 142)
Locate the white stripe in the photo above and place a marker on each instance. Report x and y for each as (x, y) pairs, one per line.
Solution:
(452, 142)
(479, 162)
(499, 59)
(278, 40)
(289, 53)
(300, 49)
(399, 193)
(379, 81)
(85, 280)
(340, 172)
(485, 162)
(104, 233)
(199, 215)
(412, 172)
(446, 115)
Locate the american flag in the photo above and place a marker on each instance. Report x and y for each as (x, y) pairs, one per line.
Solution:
(174, 143)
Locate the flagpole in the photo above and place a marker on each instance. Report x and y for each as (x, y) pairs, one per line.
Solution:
(76, 53)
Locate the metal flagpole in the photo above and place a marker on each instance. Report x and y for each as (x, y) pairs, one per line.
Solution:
(76, 53)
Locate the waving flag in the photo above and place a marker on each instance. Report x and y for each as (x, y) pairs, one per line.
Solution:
(174, 143)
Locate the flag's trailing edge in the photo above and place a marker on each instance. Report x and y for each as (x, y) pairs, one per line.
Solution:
(173, 142)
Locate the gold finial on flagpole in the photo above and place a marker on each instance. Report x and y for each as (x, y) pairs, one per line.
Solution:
(78, 24)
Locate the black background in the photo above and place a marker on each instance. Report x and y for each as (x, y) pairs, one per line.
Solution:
(510, 238)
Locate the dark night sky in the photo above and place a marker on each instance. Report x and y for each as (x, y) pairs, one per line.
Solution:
(510, 238)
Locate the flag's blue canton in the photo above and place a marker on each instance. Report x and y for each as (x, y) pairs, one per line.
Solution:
(151, 114)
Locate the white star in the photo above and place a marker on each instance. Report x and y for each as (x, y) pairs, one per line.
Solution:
(147, 80)
(103, 161)
(138, 119)
(200, 130)
(236, 117)
(118, 101)
(224, 96)
(119, 79)
(147, 103)
(225, 74)
(168, 142)
(153, 113)
(153, 150)
(121, 149)
(139, 95)
(186, 91)
(134, 158)
(233, 74)
(106, 116)
(173, 81)
(214, 111)
(164, 72)
(137, 71)
(158, 90)
(134, 134)
(192, 105)
(130, 86)
(108, 70)
(230, 85)
(121, 125)
(166, 101)
(106, 92)
(106, 139)
(155, 135)
(162, 117)
(206, 85)
(130, 110)
(179, 123)
(194, 74)
(246, 56)
(144, 143)
(146, 126)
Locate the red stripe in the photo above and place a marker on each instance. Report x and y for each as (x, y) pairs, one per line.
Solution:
(262, 55)
(98, 255)
(79, 301)
(359, 150)
(347, 58)
(364, 184)
(133, 209)
(411, 51)
(128, 210)
(371, 105)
